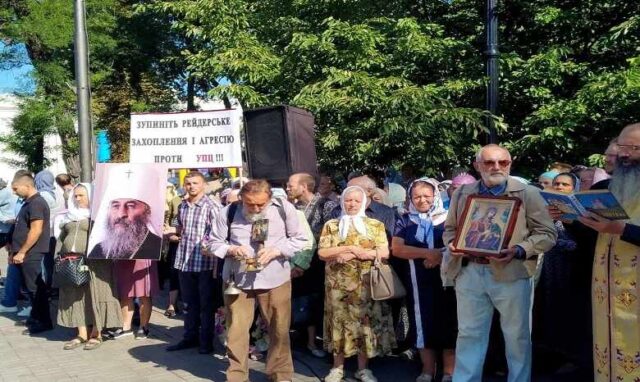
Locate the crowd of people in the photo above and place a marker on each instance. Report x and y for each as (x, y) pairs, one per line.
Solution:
(302, 256)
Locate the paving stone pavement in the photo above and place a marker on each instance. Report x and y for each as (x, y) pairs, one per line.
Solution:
(41, 358)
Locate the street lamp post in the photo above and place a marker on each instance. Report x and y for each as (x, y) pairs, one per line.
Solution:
(492, 55)
(83, 91)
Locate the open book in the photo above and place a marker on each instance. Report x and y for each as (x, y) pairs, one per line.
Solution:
(600, 202)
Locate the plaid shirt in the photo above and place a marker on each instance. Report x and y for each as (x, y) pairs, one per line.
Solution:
(195, 222)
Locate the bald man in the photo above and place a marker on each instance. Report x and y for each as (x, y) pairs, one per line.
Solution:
(504, 283)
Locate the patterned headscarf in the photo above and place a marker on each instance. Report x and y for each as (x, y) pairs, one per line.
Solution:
(356, 220)
(436, 215)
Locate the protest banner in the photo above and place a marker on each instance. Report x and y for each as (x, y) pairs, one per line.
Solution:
(203, 139)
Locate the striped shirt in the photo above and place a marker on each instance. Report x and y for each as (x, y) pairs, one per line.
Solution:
(194, 222)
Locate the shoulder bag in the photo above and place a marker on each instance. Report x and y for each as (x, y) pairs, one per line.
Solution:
(70, 270)
(385, 283)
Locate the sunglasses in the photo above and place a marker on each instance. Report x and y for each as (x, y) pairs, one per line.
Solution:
(501, 163)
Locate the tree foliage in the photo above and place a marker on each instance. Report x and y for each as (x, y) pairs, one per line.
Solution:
(389, 82)
(126, 74)
(399, 82)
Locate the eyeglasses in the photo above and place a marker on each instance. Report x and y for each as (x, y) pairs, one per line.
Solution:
(628, 147)
(501, 163)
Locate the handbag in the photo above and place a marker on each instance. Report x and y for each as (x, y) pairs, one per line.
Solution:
(385, 283)
(70, 271)
(300, 310)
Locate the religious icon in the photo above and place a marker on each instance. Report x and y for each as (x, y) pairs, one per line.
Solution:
(486, 225)
(127, 211)
(259, 233)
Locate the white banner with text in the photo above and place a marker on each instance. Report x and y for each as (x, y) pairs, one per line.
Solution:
(203, 139)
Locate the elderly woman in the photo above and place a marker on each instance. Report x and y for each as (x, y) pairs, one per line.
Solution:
(354, 324)
(93, 306)
(432, 308)
(557, 307)
(545, 180)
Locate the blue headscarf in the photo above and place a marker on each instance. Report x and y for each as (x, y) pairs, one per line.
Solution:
(427, 220)
(44, 181)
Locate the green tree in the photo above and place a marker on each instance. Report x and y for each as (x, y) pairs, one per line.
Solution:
(127, 72)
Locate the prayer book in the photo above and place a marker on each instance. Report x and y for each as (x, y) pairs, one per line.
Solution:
(599, 202)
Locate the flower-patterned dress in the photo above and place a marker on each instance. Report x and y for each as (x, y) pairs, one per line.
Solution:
(353, 322)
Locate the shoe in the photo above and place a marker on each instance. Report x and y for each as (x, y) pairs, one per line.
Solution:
(74, 343)
(30, 321)
(170, 313)
(8, 309)
(447, 378)
(39, 327)
(409, 354)
(365, 375)
(336, 374)
(205, 350)
(319, 353)
(424, 377)
(142, 333)
(25, 312)
(184, 344)
(120, 334)
(93, 344)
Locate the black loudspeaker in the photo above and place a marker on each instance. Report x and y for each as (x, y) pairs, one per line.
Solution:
(280, 142)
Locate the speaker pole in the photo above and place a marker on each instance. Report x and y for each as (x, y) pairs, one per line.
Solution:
(240, 173)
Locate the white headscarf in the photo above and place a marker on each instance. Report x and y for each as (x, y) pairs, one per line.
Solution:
(73, 213)
(356, 220)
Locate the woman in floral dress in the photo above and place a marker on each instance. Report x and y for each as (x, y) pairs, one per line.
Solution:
(354, 324)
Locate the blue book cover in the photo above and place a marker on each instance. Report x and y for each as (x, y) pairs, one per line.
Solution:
(567, 203)
(603, 203)
(600, 202)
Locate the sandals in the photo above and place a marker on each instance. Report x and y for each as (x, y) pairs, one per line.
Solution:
(93, 343)
(74, 343)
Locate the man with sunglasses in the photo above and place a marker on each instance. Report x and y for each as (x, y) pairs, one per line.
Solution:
(504, 283)
(615, 286)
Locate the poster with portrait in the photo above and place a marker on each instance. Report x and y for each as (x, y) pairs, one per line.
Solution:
(486, 225)
(127, 211)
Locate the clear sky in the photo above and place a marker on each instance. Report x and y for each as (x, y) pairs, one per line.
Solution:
(16, 79)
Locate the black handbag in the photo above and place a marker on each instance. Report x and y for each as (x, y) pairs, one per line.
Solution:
(70, 271)
(300, 310)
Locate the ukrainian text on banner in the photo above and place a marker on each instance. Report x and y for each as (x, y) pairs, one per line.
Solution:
(187, 140)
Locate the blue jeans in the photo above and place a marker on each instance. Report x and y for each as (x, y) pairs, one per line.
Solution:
(12, 286)
(478, 293)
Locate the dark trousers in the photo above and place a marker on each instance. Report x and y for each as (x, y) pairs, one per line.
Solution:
(199, 292)
(166, 269)
(35, 284)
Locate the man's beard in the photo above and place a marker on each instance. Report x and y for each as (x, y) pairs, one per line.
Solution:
(124, 238)
(625, 183)
(251, 217)
(493, 179)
